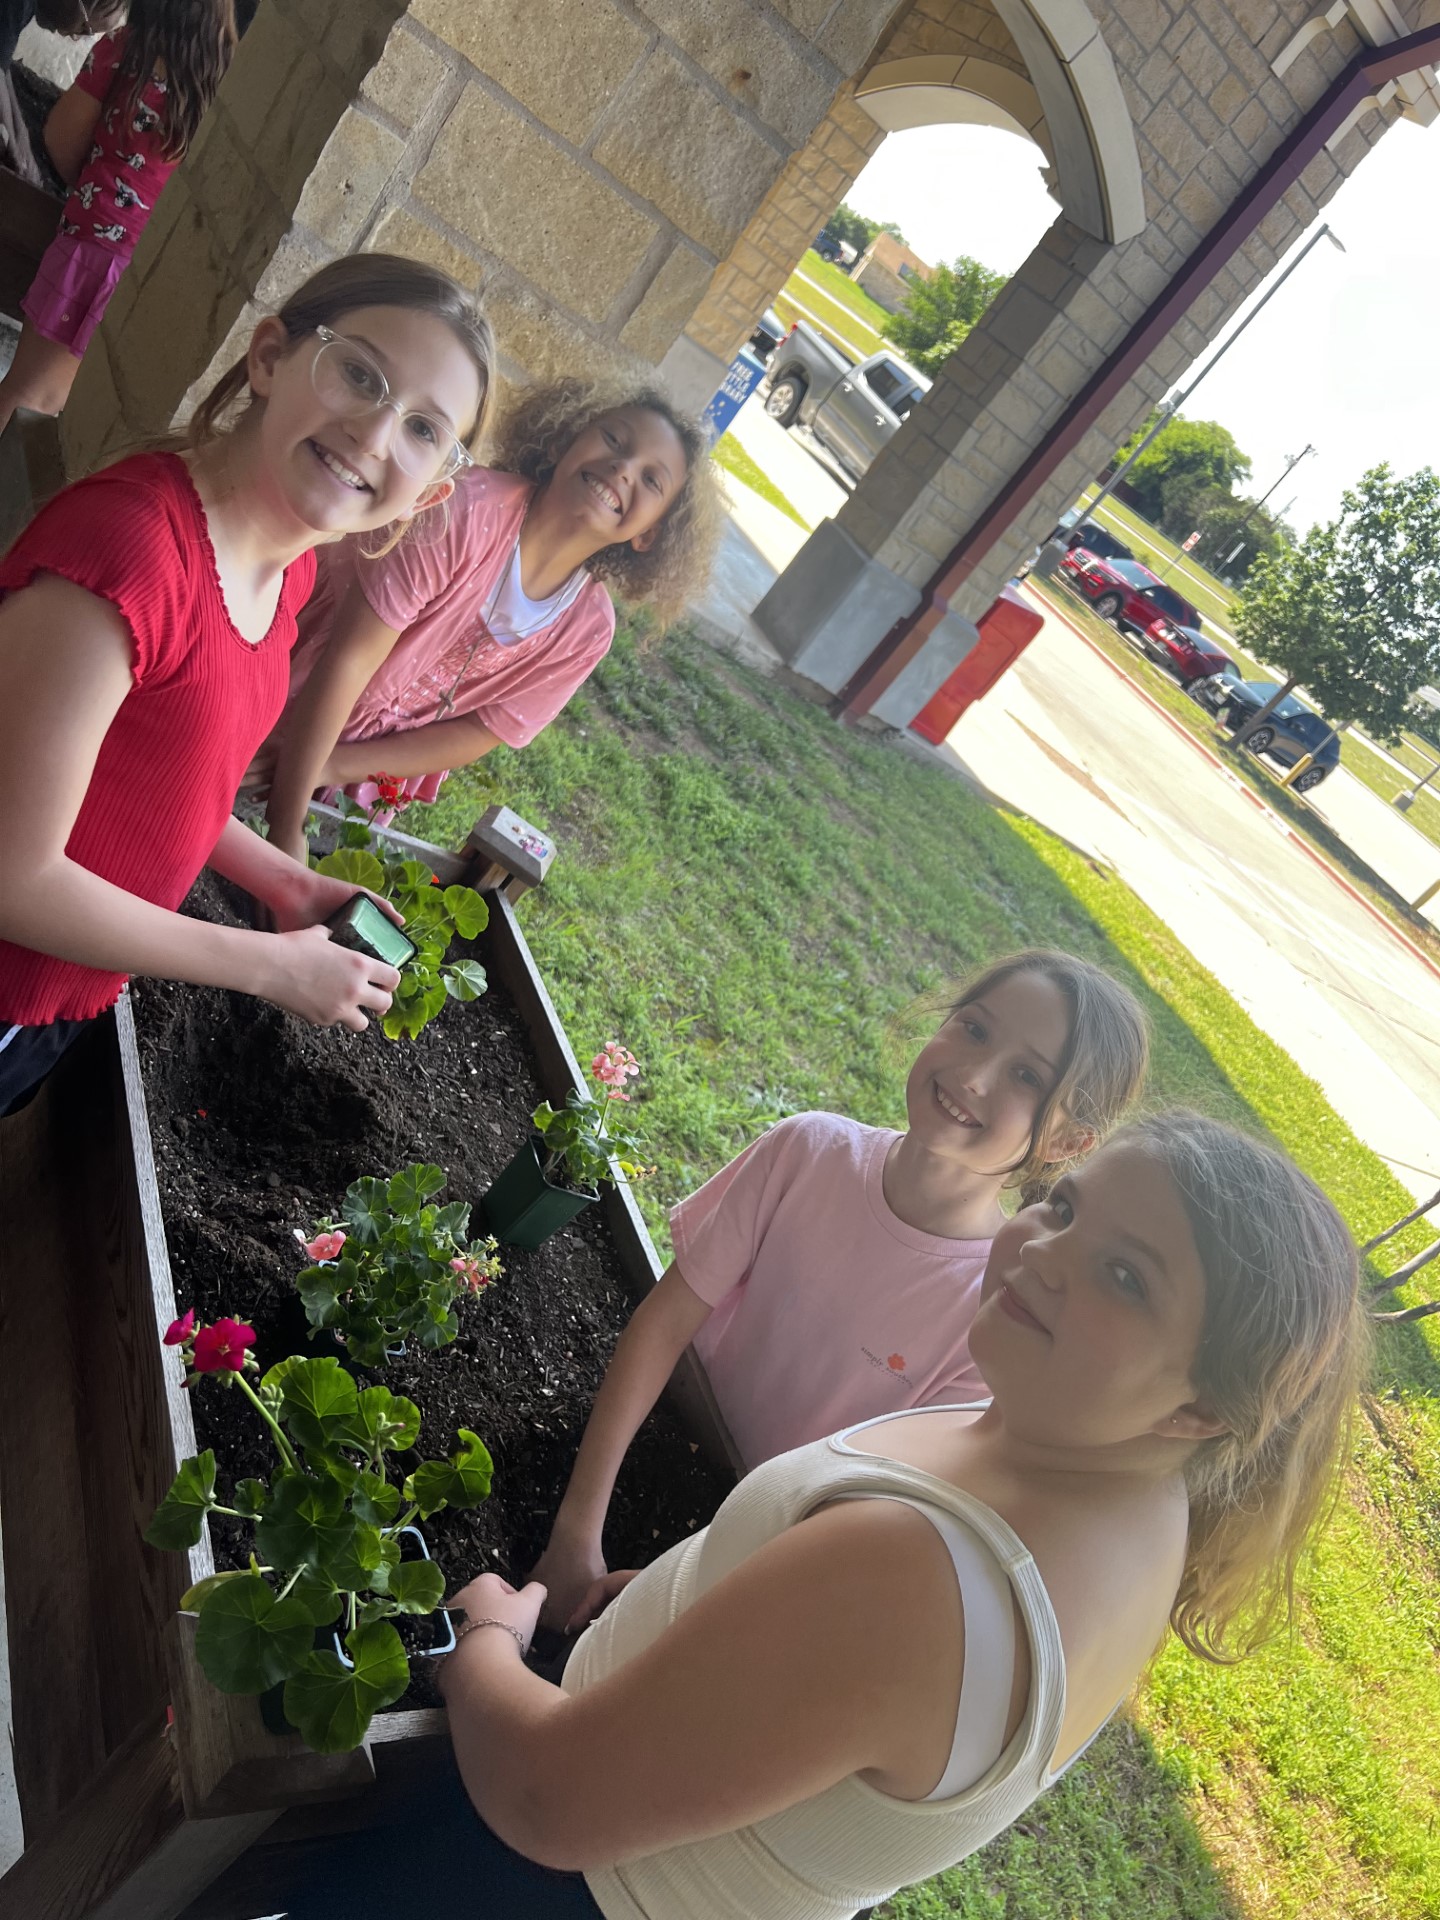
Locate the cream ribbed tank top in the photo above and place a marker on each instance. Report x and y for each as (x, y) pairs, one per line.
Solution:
(851, 1846)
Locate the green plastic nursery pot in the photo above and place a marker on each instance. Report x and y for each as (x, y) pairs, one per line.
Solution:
(523, 1208)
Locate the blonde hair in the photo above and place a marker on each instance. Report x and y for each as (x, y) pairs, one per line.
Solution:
(543, 424)
(1101, 1068)
(344, 286)
(1283, 1355)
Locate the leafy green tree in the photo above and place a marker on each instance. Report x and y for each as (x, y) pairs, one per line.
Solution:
(1227, 520)
(848, 225)
(1187, 460)
(940, 311)
(1352, 612)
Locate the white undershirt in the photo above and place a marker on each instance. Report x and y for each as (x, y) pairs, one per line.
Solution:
(512, 615)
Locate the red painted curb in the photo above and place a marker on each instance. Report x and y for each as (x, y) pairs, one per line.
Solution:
(1345, 885)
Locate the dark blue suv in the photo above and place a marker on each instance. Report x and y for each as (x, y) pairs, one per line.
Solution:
(1290, 731)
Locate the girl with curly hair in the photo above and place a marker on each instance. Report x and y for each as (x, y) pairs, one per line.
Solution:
(475, 626)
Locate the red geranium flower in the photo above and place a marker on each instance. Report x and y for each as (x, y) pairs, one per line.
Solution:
(179, 1331)
(224, 1347)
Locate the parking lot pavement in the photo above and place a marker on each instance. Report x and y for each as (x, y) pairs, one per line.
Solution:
(1067, 739)
(1381, 835)
(783, 453)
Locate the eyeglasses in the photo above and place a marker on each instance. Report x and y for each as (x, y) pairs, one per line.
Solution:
(346, 378)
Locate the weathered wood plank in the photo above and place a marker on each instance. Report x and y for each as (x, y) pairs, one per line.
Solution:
(124, 1850)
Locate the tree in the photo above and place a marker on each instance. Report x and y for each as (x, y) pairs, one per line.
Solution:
(1353, 611)
(1186, 460)
(940, 311)
(852, 227)
(1227, 520)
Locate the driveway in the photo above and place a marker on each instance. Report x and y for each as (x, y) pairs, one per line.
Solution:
(1067, 739)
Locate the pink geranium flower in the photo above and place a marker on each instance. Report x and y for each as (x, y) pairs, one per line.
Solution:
(179, 1331)
(472, 1273)
(614, 1064)
(325, 1246)
(224, 1347)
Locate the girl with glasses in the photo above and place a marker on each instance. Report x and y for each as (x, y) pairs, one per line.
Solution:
(115, 138)
(147, 618)
(474, 627)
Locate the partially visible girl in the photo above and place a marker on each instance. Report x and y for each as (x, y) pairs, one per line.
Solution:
(115, 137)
(476, 627)
(832, 1271)
(145, 634)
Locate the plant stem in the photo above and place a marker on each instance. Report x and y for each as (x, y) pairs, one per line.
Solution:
(290, 1582)
(287, 1452)
(350, 1614)
(400, 1525)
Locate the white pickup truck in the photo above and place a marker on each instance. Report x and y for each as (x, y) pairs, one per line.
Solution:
(852, 409)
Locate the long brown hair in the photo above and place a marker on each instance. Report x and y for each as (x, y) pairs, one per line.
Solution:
(542, 425)
(187, 44)
(1283, 1355)
(344, 286)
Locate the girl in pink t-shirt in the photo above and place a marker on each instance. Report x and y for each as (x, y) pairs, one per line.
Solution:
(830, 1274)
(115, 137)
(475, 626)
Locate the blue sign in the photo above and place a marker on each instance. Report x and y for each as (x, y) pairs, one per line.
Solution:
(746, 372)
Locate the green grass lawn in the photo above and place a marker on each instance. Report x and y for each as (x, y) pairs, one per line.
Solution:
(1261, 774)
(766, 907)
(843, 289)
(843, 313)
(729, 454)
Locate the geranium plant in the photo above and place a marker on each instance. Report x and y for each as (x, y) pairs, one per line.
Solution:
(394, 1266)
(581, 1139)
(434, 916)
(326, 1529)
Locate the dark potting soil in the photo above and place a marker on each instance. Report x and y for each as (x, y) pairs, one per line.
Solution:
(259, 1124)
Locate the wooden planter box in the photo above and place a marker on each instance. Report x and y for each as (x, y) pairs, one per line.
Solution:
(126, 1816)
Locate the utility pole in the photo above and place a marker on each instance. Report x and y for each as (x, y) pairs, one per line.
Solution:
(1170, 407)
(1292, 461)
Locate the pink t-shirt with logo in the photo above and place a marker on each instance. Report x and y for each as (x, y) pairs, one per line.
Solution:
(433, 588)
(828, 1309)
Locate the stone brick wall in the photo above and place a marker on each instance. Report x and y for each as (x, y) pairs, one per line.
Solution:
(590, 163)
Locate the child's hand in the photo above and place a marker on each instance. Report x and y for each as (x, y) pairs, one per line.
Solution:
(309, 897)
(599, 1598)
(569, 1569)
(489, 1597)
(327, 985)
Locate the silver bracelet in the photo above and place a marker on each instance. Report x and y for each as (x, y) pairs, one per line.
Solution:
(469, 1626)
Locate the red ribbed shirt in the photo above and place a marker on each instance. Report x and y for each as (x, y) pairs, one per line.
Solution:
(201, 700)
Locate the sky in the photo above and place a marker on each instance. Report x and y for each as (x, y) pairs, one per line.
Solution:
(1339, 356)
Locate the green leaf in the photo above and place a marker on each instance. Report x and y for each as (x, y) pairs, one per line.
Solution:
(320, 1289)
(412, 1186)
(413, 874)
(461, 1481)
(385, 1420)
(247, 1640)
(467, 911)
(465, 980)
(356, 867)
(249, 1498)
(380, 1577)
(417, 1586)
(319, 1402)
(366, 1212)
(180, 1517)
(317, 1599)
(332, 1706)
(195, 1598)
(453, 1220)
(375, 1501)
(301, 1520)
(358, 1553)
(408, 1021)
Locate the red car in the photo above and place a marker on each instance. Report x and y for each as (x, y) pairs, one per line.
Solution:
(1124, 591)
(1183, 651)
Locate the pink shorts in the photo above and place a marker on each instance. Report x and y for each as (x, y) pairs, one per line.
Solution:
(71, 290)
